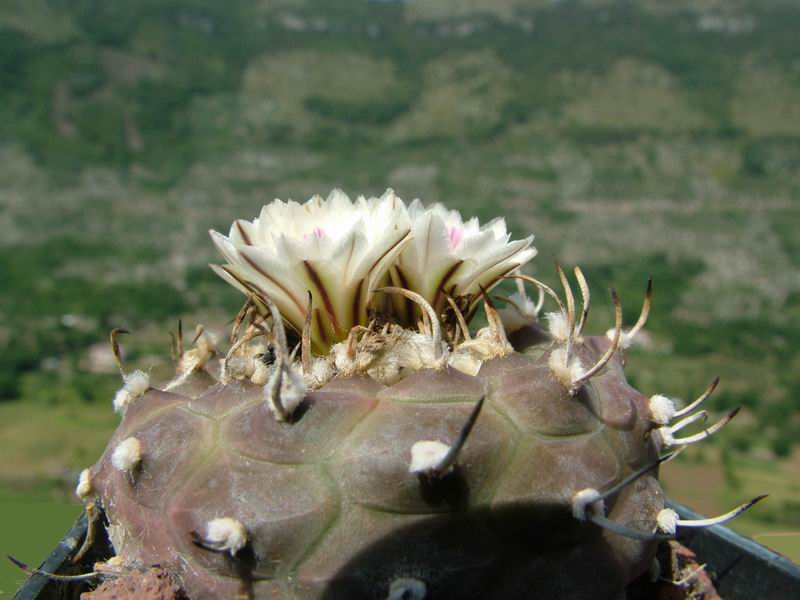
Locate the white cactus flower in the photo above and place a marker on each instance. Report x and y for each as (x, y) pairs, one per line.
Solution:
(447, 254)
(341, 251)
(335, 248)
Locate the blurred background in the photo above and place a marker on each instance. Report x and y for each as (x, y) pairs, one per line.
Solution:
(633, 138)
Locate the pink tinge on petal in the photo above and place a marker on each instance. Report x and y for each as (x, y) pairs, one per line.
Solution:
(455, 235)
(318, 232)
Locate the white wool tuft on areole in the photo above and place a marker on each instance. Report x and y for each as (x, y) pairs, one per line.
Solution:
(321, 372)
(293, 390)
(121, 401)
(667, 438)
(291, 393)
(469, 355)
(585, 498)
(407, 588)
(625, 339)
(567, 370)
(558, 325)
(426, 456)
(127, 455)
(667, 521)
(261, 371)
(517, 313)
(84, 488)
(226, 535)
(662, 409)
(136, 383)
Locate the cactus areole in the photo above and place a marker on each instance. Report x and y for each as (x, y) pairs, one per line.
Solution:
(356, 439)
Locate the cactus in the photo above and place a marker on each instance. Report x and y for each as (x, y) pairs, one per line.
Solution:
(357, 440)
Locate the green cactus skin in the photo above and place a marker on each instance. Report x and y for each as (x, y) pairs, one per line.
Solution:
(332, 512)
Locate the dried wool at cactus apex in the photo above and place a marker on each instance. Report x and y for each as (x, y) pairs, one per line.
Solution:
(358, 440)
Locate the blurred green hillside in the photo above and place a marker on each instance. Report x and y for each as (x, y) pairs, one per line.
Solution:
(633, 138)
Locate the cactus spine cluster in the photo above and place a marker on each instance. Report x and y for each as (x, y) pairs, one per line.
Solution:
(358, 440)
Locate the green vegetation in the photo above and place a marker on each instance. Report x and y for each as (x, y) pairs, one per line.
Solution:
(631, 138)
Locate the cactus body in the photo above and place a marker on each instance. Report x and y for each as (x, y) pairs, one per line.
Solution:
(332, 511)
(377, 461)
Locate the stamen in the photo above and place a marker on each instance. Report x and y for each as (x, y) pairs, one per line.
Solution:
(709, 390)
(611, 349)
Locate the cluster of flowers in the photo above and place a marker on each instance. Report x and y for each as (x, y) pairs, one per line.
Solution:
(341, 251)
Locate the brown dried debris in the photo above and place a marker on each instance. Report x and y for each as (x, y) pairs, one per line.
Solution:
(153, 584)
